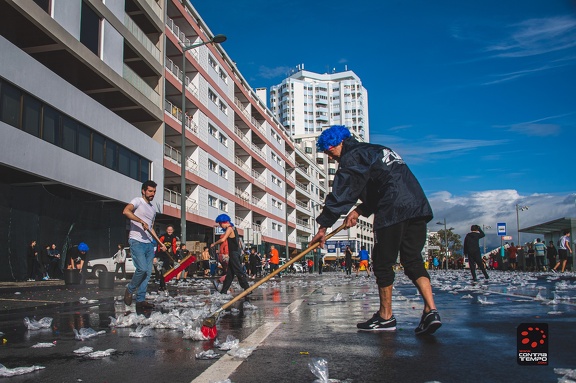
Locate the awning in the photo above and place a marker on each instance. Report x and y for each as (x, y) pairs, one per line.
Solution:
(556, 226)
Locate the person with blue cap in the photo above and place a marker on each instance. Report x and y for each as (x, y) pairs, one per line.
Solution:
(381, 180)
(78, 258)
(235, 247)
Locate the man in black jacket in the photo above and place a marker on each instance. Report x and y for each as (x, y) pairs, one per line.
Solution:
(378, 177)
(472, 250)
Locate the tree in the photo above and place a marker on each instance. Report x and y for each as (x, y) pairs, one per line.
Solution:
(454, 244)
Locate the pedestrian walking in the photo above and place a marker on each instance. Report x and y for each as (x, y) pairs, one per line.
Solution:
(540, 252)
(274, 259)
(54, 268)
(379, 177)
(120, 261)
(255, 262)
(563, 249)
(235, 246)
(142, 214)
(472, 250)
(551, 254)
(32, 262)
(364, 261)
(348, 260)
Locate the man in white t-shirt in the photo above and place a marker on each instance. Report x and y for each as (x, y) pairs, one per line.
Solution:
(563, 249)
(141, 214)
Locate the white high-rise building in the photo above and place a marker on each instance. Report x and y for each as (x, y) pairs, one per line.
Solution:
(307, 102)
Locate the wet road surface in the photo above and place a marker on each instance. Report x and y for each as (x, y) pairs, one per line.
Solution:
(299, 318)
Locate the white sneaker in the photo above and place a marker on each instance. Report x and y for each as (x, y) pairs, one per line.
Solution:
(123, 279)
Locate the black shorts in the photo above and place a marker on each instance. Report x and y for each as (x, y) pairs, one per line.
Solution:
(206, 265)
(562, 254)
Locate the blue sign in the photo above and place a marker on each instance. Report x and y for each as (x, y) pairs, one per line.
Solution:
(501, 228)
(331, 246)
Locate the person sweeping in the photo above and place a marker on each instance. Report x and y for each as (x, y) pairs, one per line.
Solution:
(235, 268)
(379, 177)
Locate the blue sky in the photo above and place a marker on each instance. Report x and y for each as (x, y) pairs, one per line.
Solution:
(479, 97)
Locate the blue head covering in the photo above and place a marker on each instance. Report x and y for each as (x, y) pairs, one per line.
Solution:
(83, 247)
(332, 136)
(224, 218)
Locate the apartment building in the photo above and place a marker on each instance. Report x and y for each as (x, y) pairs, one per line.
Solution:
(91, 106)
(307, 102)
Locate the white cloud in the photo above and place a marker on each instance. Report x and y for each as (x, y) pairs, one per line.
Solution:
(493, 206)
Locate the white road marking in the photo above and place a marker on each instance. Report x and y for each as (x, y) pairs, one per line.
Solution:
(226, 365)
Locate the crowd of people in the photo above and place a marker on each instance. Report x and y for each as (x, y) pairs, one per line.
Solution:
(46, 263)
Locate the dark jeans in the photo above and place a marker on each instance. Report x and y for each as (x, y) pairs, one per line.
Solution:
(235, 268)
(408, 238)
(476, 260)
(121, 266)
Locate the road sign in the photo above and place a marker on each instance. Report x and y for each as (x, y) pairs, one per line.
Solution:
(501, 228)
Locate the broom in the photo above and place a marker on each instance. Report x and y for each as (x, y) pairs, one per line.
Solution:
(209, 324)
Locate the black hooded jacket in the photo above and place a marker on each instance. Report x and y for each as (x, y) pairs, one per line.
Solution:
(378, 177)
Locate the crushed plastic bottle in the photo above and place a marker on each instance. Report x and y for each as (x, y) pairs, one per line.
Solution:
(194, 334)
(229, 344)
(240, 352)
(141, 332)
(209, 354)
(33, 324)
(83, 350)
(338, 298)
(100, 354)
(86, 333)
(7, 372)
(44, 345)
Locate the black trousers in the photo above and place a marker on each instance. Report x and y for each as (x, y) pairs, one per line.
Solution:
(476, 260)
(407, 238)
(121, 266)
(235, 268)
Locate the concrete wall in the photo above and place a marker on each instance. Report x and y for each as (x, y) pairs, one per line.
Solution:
(31, 154)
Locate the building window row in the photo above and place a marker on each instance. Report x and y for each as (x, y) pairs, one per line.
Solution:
(23, 111)
(214, 132)
(216, 203)
(221, 104)
(218, 169)
(214, 65)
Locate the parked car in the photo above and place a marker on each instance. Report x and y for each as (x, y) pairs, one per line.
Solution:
(98, 265)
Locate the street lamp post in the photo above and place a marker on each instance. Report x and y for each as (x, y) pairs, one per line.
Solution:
(484, 227)
(445, 240)
(519, 208)
(183, 197)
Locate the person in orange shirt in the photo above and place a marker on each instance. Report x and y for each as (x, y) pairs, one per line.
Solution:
(274, 258)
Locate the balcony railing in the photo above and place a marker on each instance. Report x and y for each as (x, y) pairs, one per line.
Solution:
(176, 112)
(141, 85)
(174, 199)
(141, 36)
(181, 37)
(175, 70)
(242, 165)
(261, 203)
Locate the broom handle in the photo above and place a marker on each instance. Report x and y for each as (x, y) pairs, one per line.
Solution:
(277, 271)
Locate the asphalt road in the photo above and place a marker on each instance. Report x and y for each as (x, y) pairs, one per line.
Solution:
(295, 321)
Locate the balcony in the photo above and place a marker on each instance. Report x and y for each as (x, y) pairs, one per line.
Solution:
(141, 36)
(173, 155)
(175, 70)
(138, 83)
(176, 112)
(173, 199)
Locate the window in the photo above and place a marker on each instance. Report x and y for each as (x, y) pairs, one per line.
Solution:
(223, 75)
(274, 226)
(98, 148)
(212, 165)
(223, 173)
(223, 107)
(144, 169)
(111, 155)
(69, 134)
(308, 150)
(51, 126)
(212, 62)
(280, 228)
(134, 164)
(90, 28)
(212, 96)
(124, 161)
(84, 141)
(331, 171)
(223, 206)
(223, 139)
(10, 105)
(212, 130)
(212, 201)
(31, 115)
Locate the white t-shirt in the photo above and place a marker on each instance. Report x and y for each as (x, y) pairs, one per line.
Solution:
(147, 213)
(563, 241)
